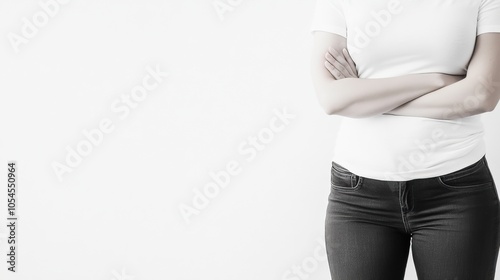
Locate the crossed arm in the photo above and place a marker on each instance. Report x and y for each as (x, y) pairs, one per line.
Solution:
(431, 95)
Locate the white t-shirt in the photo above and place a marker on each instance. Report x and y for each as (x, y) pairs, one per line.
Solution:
(388, 38)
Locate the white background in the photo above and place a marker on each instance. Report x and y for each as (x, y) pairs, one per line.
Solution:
(116, 215)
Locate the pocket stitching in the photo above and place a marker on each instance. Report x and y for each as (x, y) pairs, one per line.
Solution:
(462, 173)
(467, 171)
(351, 188)
(471, 187)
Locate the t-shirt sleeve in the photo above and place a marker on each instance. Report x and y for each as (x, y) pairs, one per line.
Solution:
(329, 16)
(488, 19)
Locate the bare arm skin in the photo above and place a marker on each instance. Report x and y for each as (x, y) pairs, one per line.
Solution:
(478, 93)
(358, 98)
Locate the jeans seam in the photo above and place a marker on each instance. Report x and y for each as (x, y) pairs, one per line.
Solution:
(403, 215)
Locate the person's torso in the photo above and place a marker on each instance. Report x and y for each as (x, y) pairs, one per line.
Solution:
(395, 38)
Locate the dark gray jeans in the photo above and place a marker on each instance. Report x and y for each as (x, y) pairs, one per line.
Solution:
(452, 223)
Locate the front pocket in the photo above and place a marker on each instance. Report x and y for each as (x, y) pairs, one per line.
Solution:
(344, 180)
(474, 176)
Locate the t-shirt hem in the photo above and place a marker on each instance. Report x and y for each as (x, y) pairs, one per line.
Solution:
(488, 29)
(423, 173)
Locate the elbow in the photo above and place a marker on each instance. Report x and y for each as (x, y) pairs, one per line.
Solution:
(329, 108)
(488, 91)
(333, 111)
(344, 111)
(490, 105)
(340, 108)
(330, 104)
(354, 112)
(328, 96)
(333, 101)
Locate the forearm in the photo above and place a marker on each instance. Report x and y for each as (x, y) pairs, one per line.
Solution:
(468, 97)
(355, 97)
(478, 93)
(358, 98)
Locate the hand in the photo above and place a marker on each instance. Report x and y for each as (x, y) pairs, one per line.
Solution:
(340, 65)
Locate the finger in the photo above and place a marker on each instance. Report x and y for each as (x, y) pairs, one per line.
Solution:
(350, 61)
(348, 64)
(330, 69)
(334, 71)
(339, 67)
(340, 60)
(332, 56)
(351, 69)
